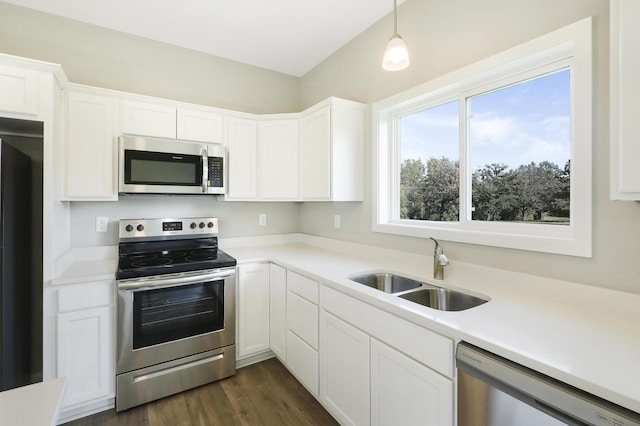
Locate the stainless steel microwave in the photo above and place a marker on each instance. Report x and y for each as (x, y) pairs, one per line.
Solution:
(169, 166)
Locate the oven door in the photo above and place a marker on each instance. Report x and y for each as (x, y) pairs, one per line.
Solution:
(169, 317)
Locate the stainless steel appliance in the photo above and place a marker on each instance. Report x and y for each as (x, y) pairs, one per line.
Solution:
(494, 391)
(176, 308)
(169, 166)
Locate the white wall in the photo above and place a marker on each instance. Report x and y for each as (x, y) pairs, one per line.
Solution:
(235, 219)
(96, 56)
(442, 36)
(100, 57)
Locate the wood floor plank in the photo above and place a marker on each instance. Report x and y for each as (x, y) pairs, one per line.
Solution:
(262, 394)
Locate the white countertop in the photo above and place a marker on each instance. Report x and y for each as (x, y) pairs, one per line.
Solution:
(588, 337)
(32, 405)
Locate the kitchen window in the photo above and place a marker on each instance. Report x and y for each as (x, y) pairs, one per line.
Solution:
(497, 153)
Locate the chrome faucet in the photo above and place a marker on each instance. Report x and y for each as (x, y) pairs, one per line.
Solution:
(439, 261)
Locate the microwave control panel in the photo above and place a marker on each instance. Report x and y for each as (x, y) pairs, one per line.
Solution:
(216, 172)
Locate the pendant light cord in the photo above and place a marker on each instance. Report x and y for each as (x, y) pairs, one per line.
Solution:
(395, 18)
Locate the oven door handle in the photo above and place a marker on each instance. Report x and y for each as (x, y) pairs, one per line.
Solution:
(139, 285)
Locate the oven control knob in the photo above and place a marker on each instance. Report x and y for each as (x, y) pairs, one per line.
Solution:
(202, 225)
(129, 228)
(210, 225)
(193, 225)
(140, 228)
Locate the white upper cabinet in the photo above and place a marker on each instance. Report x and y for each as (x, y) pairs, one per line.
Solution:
(315, 155)
(331, 144)
(625, 99)
(164, 120)
(91, 161)
(201, 126)
(19, 88)
(141, 118)
(278, 160)
(242, 147)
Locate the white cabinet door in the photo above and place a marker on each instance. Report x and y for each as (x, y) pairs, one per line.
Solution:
(84, 354)
(315, 154)
(253, 308)
(405, 392)
(625, 100)
(91, 161)
(278, 160)
(331, 151)
(344, 370)
(19, 88)
(242, 145)
(140, 118)
(278, 311)
(201, 126)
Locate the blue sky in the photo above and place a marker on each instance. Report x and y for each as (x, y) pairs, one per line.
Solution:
(526, 122)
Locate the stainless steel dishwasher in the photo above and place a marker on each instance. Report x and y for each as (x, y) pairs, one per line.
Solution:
(493, 391)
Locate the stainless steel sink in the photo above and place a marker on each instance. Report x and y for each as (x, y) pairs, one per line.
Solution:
(419, 292)
(443, 299)
(389, 283)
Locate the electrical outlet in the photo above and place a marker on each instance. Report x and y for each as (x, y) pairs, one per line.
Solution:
(336, 221)
(262, 219)
(102, 222)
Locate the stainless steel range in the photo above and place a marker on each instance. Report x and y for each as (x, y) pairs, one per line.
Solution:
(176, 308)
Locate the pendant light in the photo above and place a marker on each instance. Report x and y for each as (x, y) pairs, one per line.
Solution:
(396, 55)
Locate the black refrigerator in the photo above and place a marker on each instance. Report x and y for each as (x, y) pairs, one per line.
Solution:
(15, 268)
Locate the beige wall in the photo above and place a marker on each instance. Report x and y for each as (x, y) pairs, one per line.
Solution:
(442, 36)
(99, 57)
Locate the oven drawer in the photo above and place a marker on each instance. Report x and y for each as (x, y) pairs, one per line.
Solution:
(151, 383)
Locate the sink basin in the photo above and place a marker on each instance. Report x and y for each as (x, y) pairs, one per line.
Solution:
(389, 283)
(443, 299)
(419, 292)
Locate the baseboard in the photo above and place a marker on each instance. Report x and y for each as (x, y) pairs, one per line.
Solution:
(262, 356)
(67, 415)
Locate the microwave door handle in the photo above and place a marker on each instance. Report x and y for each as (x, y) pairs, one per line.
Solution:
(205, 170)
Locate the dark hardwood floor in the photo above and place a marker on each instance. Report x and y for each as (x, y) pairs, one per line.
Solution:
(260, 394)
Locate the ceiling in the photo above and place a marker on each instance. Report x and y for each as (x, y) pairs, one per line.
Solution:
(288, 36)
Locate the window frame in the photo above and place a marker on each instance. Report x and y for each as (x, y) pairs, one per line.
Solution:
(570, 47)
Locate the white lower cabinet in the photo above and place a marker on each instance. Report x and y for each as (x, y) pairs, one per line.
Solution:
(366, 366)
(302, 330)
(344, 366)
(405, 392)
(85, 347)
(278, 311)
(253, 309)
(378, 369)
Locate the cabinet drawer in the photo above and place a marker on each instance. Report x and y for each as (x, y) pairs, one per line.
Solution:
(302, 361)
(425, 346)
(302, 318)
(84, 296)
(303, 286)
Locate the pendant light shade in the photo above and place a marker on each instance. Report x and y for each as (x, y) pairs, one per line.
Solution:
(396, 54)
